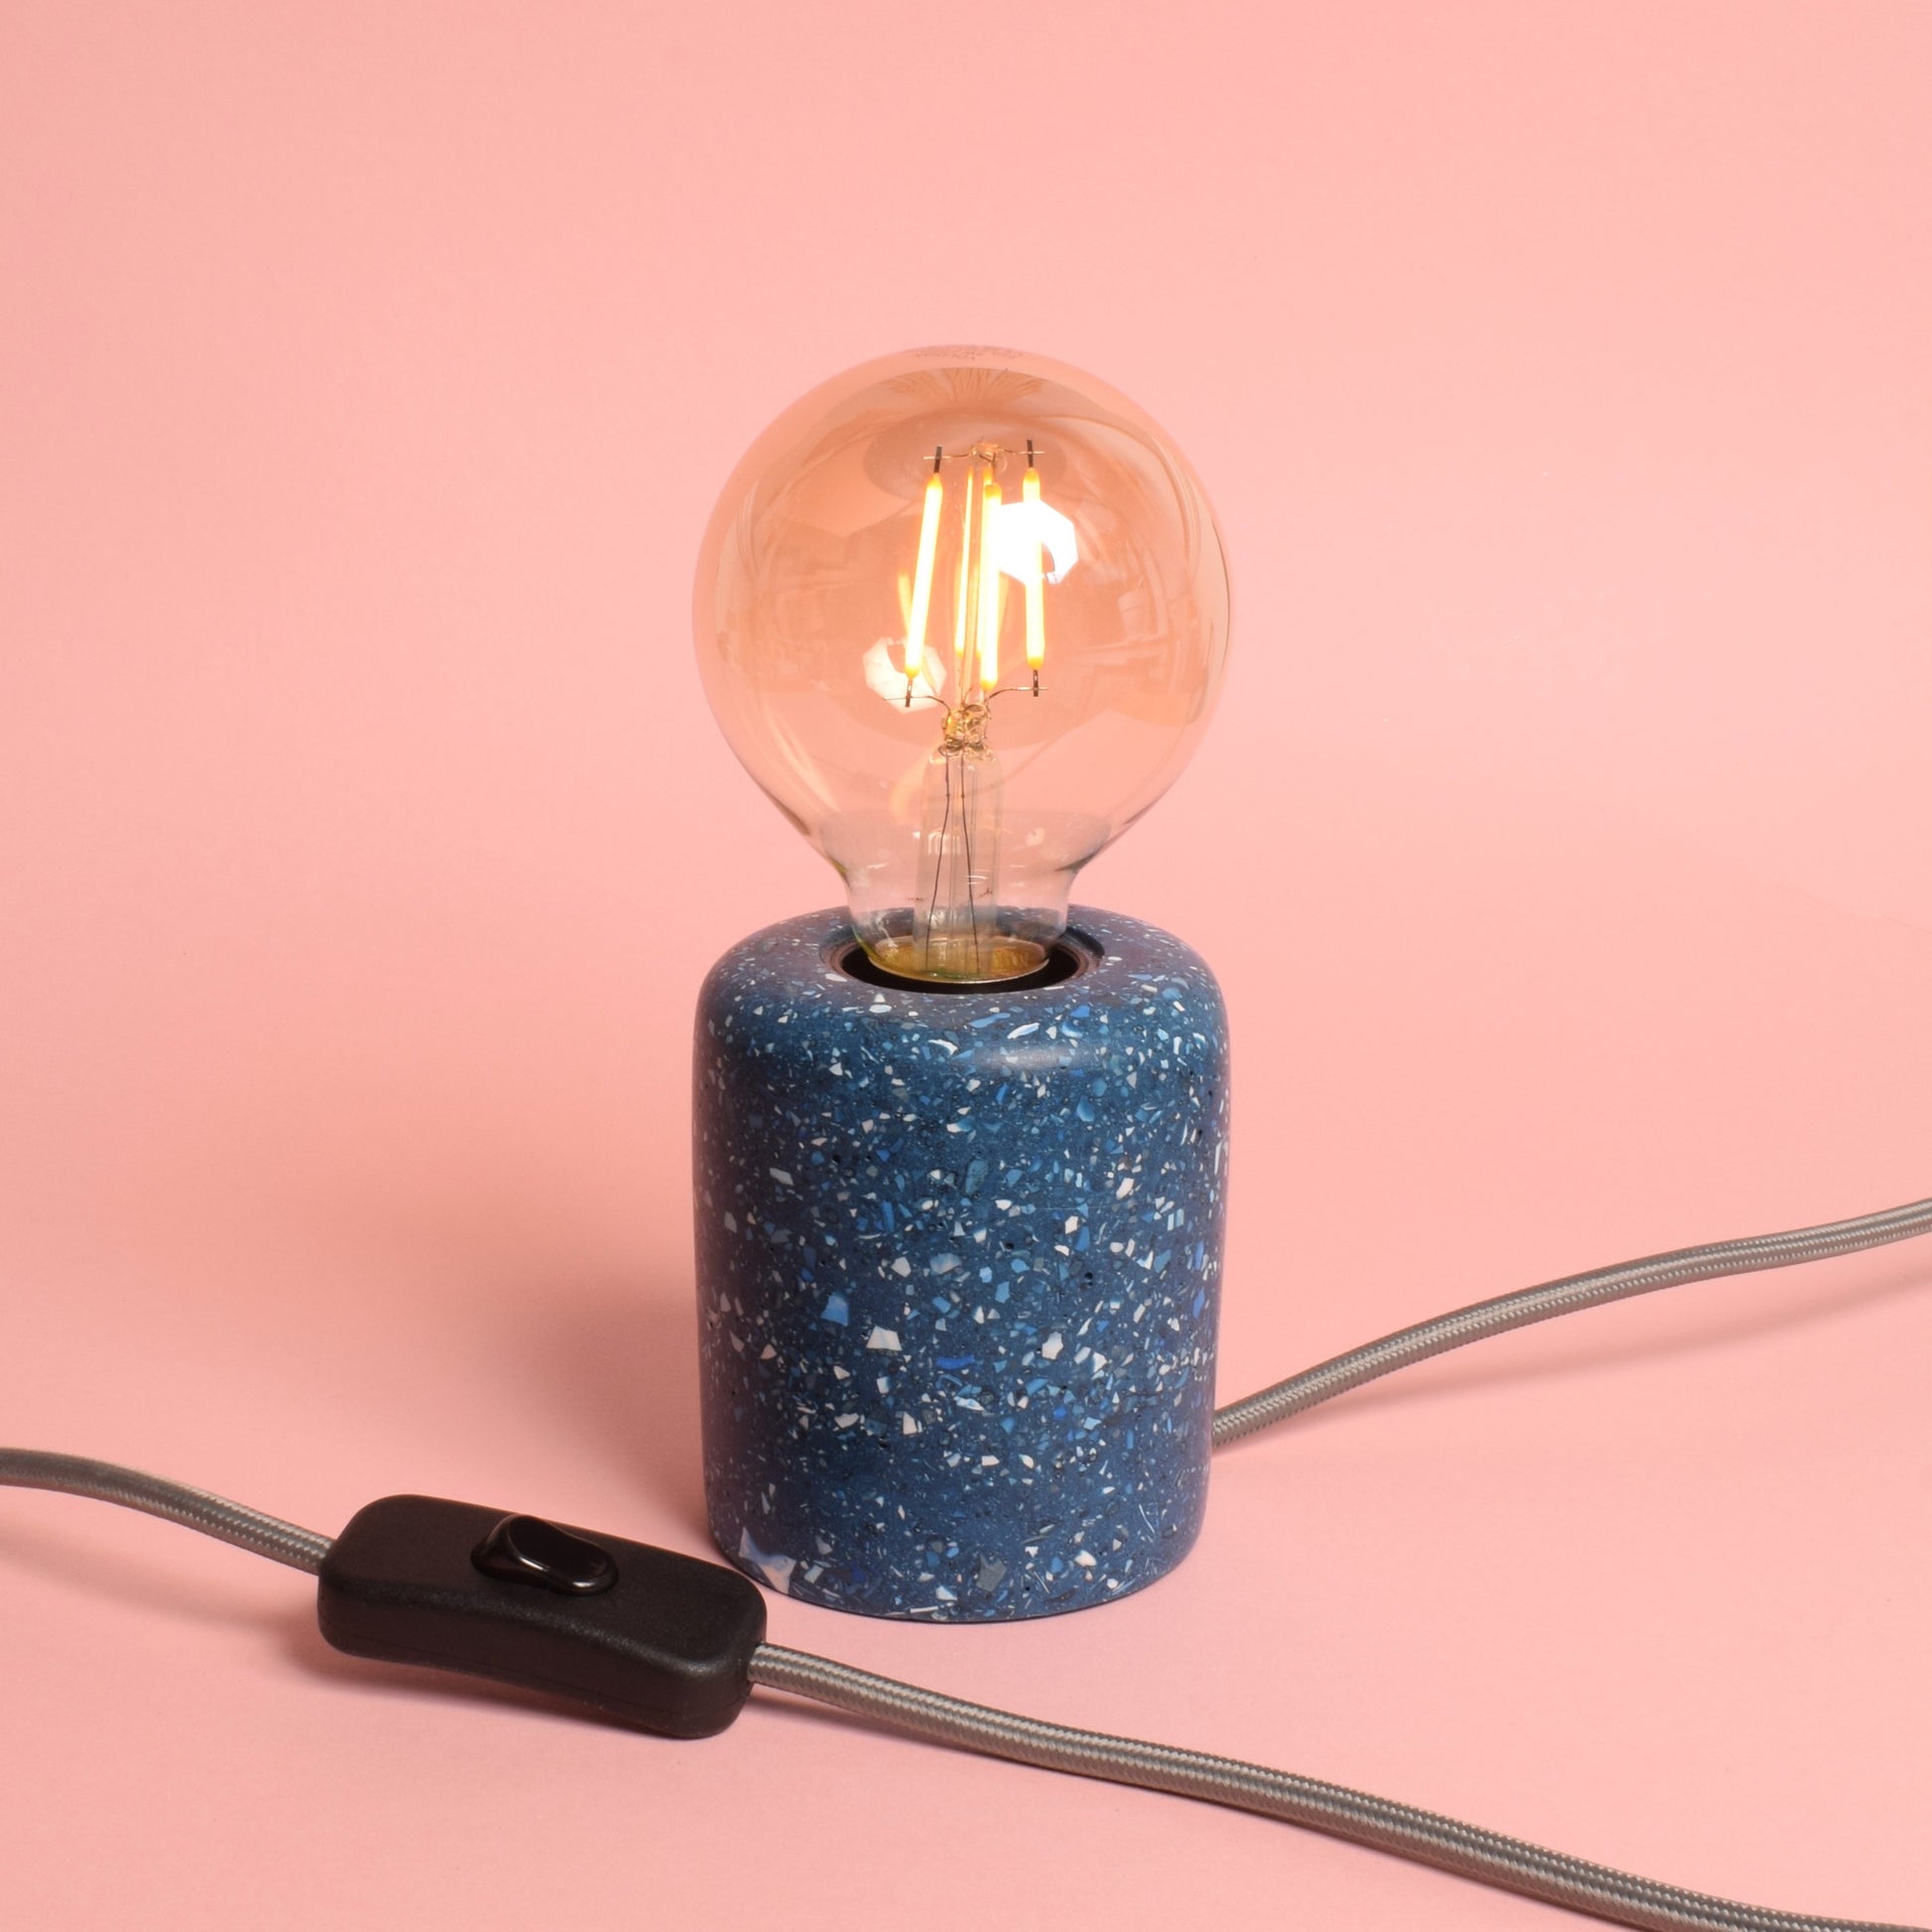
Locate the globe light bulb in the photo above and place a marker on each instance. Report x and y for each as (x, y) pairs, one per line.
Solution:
(963, 614)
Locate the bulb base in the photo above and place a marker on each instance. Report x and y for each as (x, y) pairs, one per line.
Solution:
(1052, 964)
(959, 1257)
(980, 962)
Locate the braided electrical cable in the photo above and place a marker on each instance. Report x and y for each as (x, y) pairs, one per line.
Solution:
(1421, 1835)
(1403, 1830)
(1572, 1293)
(194, 1509)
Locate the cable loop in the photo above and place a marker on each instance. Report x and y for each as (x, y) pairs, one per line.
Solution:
(1423, 1836)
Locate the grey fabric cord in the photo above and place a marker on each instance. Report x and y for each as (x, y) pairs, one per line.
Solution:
(1421, 1836)
(1566, 1297)
(1403, 1830)
(110, 1482)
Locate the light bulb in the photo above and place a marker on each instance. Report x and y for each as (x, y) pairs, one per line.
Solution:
(962, 612)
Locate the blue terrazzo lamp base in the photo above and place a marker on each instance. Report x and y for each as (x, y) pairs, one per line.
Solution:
(959, 1253)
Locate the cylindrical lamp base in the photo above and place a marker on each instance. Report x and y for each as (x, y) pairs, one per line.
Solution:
(959, 1257)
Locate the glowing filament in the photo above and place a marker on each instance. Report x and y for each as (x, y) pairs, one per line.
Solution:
(1026, 540)
(961, 636)
(1035, 579)
(922, 577)
(989, 587)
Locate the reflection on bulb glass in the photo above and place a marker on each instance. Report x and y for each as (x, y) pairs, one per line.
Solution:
(963, 614)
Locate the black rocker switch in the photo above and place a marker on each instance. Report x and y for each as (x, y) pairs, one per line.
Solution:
(650, 1637)
(528, 1550)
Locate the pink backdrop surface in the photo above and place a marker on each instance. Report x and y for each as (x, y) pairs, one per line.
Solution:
(1561, 377)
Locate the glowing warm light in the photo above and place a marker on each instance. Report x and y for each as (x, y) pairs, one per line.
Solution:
(963, 600)
(915, 622)
(1028, 527)
(1030, 576)
(989, 587)
(1003, 539)
(851, 624)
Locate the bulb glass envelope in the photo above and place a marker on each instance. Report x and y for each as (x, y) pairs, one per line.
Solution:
(963, 614)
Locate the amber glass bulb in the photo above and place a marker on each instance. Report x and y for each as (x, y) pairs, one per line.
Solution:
(963, 614)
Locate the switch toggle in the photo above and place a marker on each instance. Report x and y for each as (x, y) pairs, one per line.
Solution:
(528, 1550)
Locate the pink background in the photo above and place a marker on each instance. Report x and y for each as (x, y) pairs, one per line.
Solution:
(1560, 373)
